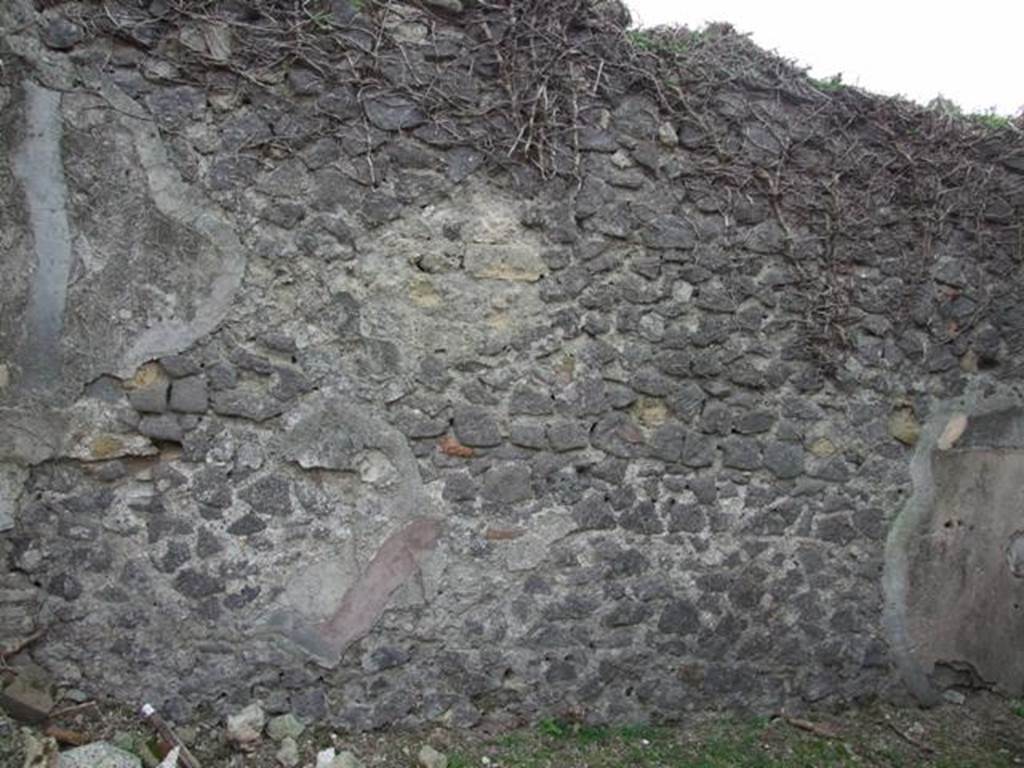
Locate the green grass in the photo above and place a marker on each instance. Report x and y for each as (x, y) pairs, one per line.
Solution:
(552, 728)
(990, 120)
(731, 744)
(723, 743)
(982, 734)
(660, 41)
(832, 84)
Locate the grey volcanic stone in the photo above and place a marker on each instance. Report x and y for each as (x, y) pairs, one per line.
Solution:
(62, 34)
(207, 543)
(176, 555)
(162, 427)
(567, 436)
(530, 402)
(642, 518)
(670, 232)
(269, 495)
(741, 453)
(668, 442)
(785, 460)
(286, 215)
(211, 487)
(716, 419)
(463, 161)
(528, 436)
(627, 613)
(175, 106)
(686, 401)
(393, 113)
(704, 488)
(310, 704)
(222, 375)
(65, 585)
(594, 512)
(246, 403)
(593, 139)
(475, 426)
(197, 585)
(698, 450)
(188, 395)
(755, 422)
(459, 487)
(679, 617)
(304, 82)
(689, 518)
(507, 484)
(618, 435)
(178, 366)
(247, 525)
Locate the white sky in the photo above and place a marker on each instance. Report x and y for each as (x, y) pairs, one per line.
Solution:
(971, 52)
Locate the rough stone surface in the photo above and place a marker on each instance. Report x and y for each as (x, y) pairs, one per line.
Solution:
(188, 395)
(332, 396)
(100, 754)
(163, 427)
(246, 728)
(476, 426)
(12, 486)
(284, 726)
(42, 751)
(288, 753)
(428, 757)
(29, 696)
(904, 427)
(62, 34)
(343, 759)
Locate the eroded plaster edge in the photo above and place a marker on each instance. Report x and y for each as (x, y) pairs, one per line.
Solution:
(171, 196)
(179, 202)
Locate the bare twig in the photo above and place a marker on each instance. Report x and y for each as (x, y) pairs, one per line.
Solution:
(824, 730)
(17, 647)
(910, 739)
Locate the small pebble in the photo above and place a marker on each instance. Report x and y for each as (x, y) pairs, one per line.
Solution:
(288, 754)
(429, 757)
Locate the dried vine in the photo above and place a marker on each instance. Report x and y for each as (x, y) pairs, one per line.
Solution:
(520, 81)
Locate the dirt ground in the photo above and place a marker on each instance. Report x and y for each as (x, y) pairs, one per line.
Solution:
(986, 731)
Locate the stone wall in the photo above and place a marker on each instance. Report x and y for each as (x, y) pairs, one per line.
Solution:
(305, 398)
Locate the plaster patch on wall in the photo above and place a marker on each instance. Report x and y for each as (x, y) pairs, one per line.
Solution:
(330, 603)
(179, 202)
(953, 597)
(39, 167)
(360, 603)
(545, 529)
